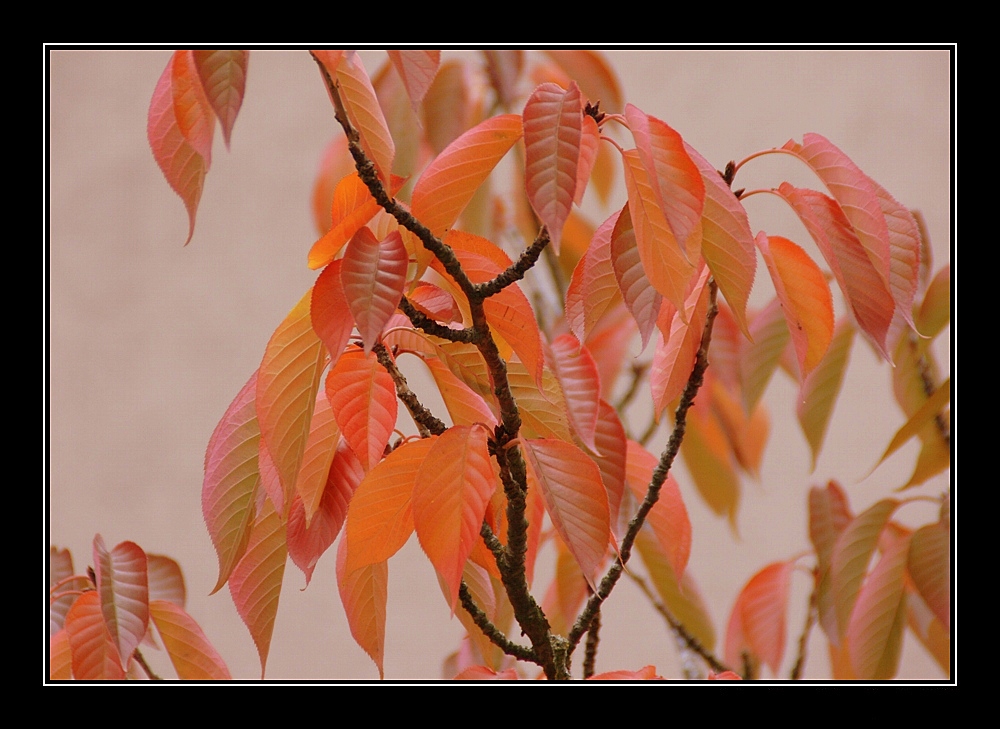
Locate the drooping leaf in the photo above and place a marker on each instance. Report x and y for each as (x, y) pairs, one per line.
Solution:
(924, 415)
(643, 301)
(590, 145)
(567, 592)
(95, 656)
(821, 387)
(450, 494)
(223, 75)
(553, 128)
(373, 275)
(875, 633)
(668, 519)
(61, 568)
(592, 288)
(929, 564)
(612, 449)
(365, 114)
(166, 582)
(329, 311)
(904, 252)
(543, 409)
(193, 656)
(757, 621)
(575, 499)
(192, 109)
(477, 581)
(485, 673)
(675, 179)
(935, 309)
(829, 515)
(930, 631)
(805, 298)
(675, 355)
(178, 159)
(464, 405)
(255, 583)
(287, 383)
(363, 397)
(727, 241)
(747, 435)
(453, 103)
(758, 361)
(309, 540)
(581, 384)
(849, 559)
(854, 191)
(417, 68)
(596, 78)
(379, 518)
(708, 458)
(864, 290)
(364, 593)
(123, 586)
(232, 476)
(449, 182)
(324, 434)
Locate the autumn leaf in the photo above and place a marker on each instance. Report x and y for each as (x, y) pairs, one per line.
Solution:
(581, 384)
(192, 655)
(641, 298)
(364, 593)
(373, 275)
(757, 621)
(123, 586)
(365, 114)
(821, 387)
(94, 655)
(363, 397)
(553, 130)
(223, 76)
(592, 288)
(417, 68)
(875, 632)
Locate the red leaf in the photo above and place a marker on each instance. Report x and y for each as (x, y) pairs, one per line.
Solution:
(484, 673)
(123, 586)
(192, 109)
(553, 124)
(94, 654)
(757, 622)
(647, 673)
(178, 159)
(373, 275)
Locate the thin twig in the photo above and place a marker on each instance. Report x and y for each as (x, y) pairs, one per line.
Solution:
(593, 639)
(426, 421)
(811, 614)
(491, 631)
(145, 666)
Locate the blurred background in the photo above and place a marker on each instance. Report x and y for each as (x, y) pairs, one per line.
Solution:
(149, 341)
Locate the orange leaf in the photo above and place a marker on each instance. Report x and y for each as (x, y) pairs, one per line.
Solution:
(675, 355)
(592, 290)
(94, 654)
(609, 437)
(256, 582)
(804, 295)
(757, 622)
(363, 398)
(484, 673)
(665, 263)
(223, 75)
(581, 384)
(232, 475)
(123, 586)
(590, 70)
(553, 129)
(330, 312)
(178, 159)
(575, 499)
(643, 301)
(678, 188)
(373, 275)
(287, 384)
(727, 242)
(379, 519)
(324, 435)
(60, 657)
(708, 458)
(647, 673)
(364, 593)
(450, 494)
(450, 181)
(194, 113)
(365, 113)
(190, 651)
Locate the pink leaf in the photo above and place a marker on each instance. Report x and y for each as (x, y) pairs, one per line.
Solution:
(373, 275)
(417, 69)
(232, 475)
(592, 290)
(192, 109)
(166, 582)
(178, 159)
(95, 656)
(484, 673)
(192, 654)
(757, 622)
(647, 673)
(581, 384)
(553, 123)
(641, 298)
(324, 435)
(223, 75)
(123, 586)
(575, 498)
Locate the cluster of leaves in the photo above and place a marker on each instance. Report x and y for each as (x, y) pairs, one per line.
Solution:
(410, 216)
(97, 621)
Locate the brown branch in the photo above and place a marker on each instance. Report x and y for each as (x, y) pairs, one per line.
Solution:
(426, 422)
(593, 639)
(811, 615)
(145, 666)
(515, 272)
(491, 631)
(694, 383)
(677, 626)
(421, 321)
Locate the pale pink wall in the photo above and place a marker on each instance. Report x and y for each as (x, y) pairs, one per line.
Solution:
(150, 341)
